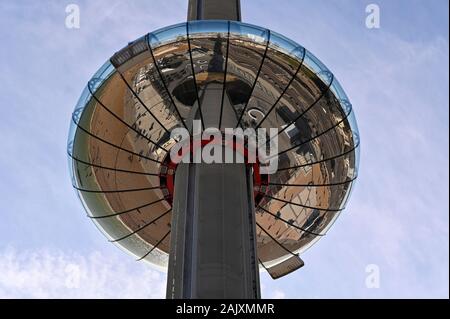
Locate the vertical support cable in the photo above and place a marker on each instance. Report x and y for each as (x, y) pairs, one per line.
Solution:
(256, 80)
(225, 76)
(193, 76)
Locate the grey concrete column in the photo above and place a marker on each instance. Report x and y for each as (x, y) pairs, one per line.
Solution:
(213, 237)
(214, 9)
(213, 232)
(213, 248)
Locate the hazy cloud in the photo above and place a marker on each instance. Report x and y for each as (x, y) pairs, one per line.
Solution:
(57, 274)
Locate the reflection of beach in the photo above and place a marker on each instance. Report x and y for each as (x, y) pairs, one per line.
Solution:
(105, 125)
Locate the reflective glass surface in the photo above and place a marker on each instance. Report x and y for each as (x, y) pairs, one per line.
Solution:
(228, 74)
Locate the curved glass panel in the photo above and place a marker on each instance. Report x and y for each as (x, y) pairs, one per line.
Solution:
(301, 126)
(354, 126)
(316, 66)
(105, 71)
(277, 72)
(97, 80)
(76, 115)
(210, 42)
(167, 35)
(158, 258)
(248, 32)
(246, 55)
(287, 46)
(203, 27)
(337, 90)
(102, 74)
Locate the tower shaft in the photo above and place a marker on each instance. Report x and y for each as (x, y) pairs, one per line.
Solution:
(213, 249)
(214, 9)
(213, 238)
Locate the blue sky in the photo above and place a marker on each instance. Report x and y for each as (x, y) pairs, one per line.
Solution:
(396, 77)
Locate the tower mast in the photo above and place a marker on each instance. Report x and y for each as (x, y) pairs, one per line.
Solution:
(213, 243)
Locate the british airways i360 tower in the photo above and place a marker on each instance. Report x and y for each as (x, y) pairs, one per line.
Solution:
(211, 226)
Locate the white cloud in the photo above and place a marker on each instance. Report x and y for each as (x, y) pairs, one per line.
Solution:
(58, 274)
(278, 294)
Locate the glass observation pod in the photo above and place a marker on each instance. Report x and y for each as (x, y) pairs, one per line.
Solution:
(228, 74)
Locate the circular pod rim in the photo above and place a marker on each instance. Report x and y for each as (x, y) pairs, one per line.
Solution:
(119, 136)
